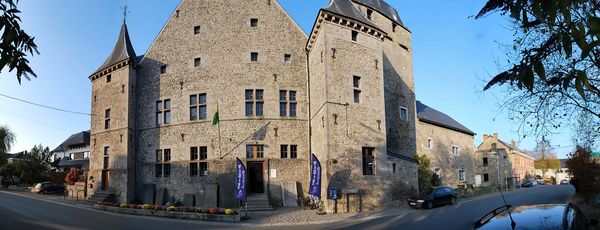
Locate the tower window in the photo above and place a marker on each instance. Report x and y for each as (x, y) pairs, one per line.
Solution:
(163, 69)
(287, 58)
(197, 62)
(354, 35)
(163, 112)
(196, 29)
(369, 14)
(254, 56)
(108, 78)
(403, 114)
(107, 119)
(253, 22)
(368, 161)
(357, 90)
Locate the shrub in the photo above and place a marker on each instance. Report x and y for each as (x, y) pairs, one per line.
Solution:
(200, 210)
(75, 175)
(157, 208)
(172, 208)
(123, 205)
(229, 212)
(132, 206)
(213, 210)
(147, 206)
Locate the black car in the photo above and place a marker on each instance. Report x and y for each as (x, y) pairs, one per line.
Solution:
(436, 197)
(49, 187)
(553, 216)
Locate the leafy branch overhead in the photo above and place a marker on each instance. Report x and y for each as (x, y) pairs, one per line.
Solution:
(16, 44)
(558, 46)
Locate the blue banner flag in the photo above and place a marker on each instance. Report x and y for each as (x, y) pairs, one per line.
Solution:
(240, 181)
(315, 177)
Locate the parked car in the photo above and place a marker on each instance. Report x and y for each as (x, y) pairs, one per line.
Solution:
(436, 197)
(564, 182)
(547, 216)
(540, 182)
(49, 187)
(529, 183)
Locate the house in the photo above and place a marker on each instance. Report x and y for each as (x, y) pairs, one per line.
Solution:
(15, 157)
(73, 152)
(448, 145)
(499, 163)
(344, 93)
(562, 173)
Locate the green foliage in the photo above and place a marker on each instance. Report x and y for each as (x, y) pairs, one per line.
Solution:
(15, 43)
(7, 138)
(8, 173)
(554, 69)
(547, 164)
(427, 179)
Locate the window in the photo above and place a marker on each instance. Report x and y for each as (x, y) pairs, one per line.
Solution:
(163, 112)
(455, 150)
(196, 29)
(254, 57)
(394, 27)
(287, 58)
(198, 164)
(485, 162)
(293, 151)
(354, 35)
(369, 14)
(461, 175)
(163, 165)
(403, 114)
(437, 171)
(429, 143)
(163, 69)
(254, 102)
(253, 22)
(107, 119)
(255, 151)
(86, 155)
(106, 155)
(368, 159)
(486, 177)
(394, 168)
(197, 62)
(198, 107)
(108, 78)
(287, 99)
(284, 151)
(357, 91)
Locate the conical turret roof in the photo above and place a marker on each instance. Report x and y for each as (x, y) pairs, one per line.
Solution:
(123, 50)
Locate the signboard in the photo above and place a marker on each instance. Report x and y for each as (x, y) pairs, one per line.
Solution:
(315, 177)
(240, 181)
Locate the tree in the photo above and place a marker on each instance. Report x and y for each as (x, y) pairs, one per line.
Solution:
(41, 154)
(555, 68)
(586, 172)
(427, 179)
(585, 134)
(15, 43)
(7, 138)
(8, 173)
(545, 158)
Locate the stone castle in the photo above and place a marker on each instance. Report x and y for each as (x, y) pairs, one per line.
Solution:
(345, 92)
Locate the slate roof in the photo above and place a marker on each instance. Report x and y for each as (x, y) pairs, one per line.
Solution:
(346, 8)
(429, 115)
(383, 8)
(81, 138)
(123, 50)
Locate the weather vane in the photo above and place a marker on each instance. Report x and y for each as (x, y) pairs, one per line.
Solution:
(125, 12)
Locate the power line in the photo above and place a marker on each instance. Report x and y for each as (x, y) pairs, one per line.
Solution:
(45, 106)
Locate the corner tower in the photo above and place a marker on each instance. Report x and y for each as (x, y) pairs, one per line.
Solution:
(362, 101)
(112, 150)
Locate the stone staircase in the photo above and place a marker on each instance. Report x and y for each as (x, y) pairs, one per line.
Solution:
(258, 202)
(98, 196)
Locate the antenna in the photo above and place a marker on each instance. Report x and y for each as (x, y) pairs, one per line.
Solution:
(512, 221)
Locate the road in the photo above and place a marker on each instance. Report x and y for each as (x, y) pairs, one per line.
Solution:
(21, 212)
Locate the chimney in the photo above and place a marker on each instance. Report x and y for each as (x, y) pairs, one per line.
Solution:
(513, 144)
(495, 136)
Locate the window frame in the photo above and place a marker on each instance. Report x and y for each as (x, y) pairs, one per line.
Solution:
(201, 104)
(197, 62)
(253, 57)
(356, 89)
(485, 162)
(368, 156)
(254, 102)
(288, 104)
(462, 177)
(455, 150)
(257, 151)
(107, 118)
(199, 164)
(197, 29)
(162, 165)
(163, 112)
(354, 36)
(287, 58)
(108, 78)
(254, 22)
(163, 69)
(405, 117)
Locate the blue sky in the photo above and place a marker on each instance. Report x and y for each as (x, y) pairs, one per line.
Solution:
(453, 55)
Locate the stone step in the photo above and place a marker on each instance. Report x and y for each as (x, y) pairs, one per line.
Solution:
(259, 202)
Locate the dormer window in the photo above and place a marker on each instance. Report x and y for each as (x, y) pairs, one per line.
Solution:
(369, 14)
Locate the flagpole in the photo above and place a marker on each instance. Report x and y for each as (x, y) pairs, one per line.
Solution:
(219, 130)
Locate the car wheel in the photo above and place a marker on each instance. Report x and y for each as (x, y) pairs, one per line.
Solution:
(453, 201)
(429, 205)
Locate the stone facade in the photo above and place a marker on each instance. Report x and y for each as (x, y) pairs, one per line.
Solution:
(255, 45)
(438, 144)
(503, 163)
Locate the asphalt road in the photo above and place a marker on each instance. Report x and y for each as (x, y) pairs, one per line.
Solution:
(19, 212)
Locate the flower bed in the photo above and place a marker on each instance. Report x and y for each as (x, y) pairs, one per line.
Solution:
(212, 214)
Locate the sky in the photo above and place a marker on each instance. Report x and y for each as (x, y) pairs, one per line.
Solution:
(453, 56)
